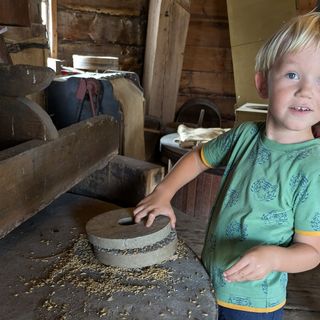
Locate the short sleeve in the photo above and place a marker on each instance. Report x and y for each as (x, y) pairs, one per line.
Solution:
(307, 204)
(214, 151)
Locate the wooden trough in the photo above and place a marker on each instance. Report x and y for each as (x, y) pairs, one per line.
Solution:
(37, 162)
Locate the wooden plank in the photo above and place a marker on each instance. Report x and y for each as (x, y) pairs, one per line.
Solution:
(33, 174)
(207, 68)
(132, 106)
(208, 8)
(207, 59)
(197, 197)
(124, 181)
(100, 29)
(21, 120)
(207, 82)
(14, 12)
(110, 7)
(53, 29)
(35, 11)
(208, 33)
(191, 197)
(166, 37)
(35, 33)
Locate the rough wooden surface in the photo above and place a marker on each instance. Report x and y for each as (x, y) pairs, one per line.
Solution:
(21, 80)
(207, 67)
(197, 197)
(132, 103)
(108, 28)
(22, 120)
(111, 7)
(35, 173)
(14, 12)
(124, 181)
(48, 272)
(166, 38)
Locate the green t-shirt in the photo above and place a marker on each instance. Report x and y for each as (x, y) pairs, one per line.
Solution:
(269, 191)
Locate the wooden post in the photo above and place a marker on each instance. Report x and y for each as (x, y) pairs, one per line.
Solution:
(53, 28)
(168, 24)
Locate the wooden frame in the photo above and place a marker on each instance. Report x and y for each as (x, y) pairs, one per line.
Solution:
(36, 172)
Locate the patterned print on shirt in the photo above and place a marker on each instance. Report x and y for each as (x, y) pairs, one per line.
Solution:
(260, 156)
(236, 230)
(232, 197)
(226, 144)
(315, 222)
(265, 287)
(264, 190)
(299, 155)
(254, 130)
(299, 184)
(283, 281)
(218, 278)
(275, 218)
(240, 301)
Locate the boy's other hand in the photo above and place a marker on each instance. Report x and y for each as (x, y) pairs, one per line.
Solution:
(254, 265)
(152, 206)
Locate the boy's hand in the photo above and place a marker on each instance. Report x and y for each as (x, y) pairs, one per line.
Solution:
(254, 265)
(152, 206)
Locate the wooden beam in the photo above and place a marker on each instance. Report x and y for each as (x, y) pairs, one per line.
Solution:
(124, 181)
(33, 174)
(53, 32)
(168, 23)
(109, 7)
(14, 13)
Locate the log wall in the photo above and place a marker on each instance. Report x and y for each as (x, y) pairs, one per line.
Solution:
(103, 28)
(207, 69)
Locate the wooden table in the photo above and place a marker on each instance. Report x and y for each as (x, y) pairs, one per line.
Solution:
(48, 272)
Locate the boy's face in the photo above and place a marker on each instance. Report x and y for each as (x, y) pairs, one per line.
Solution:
(293, 90)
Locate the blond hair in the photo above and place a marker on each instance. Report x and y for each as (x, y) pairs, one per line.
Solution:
(300, 32)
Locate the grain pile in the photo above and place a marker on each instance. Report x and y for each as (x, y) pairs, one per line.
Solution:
(77, 267)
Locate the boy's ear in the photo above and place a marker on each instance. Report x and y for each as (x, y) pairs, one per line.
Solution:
(261, 82)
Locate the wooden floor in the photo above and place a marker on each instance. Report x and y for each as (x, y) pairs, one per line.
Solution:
(303, 300)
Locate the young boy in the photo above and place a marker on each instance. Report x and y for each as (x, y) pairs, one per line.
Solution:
(266, 219)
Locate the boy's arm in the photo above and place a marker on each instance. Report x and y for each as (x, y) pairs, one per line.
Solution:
(302, 255)
(158, 202)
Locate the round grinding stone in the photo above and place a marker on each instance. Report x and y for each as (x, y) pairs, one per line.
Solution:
(118, 241)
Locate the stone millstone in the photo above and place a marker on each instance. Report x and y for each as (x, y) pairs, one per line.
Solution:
(118, 241)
